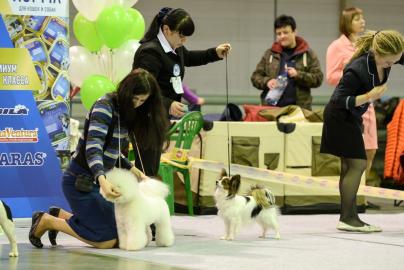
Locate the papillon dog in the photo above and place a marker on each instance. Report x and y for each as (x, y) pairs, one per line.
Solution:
(237, 211)
(139, 206)
(6, 222)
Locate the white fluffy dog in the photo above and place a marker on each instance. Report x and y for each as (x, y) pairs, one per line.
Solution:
(139, 206)
(237, 211)
(6, 222)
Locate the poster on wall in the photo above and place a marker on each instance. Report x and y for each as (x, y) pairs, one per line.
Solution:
(34, 103)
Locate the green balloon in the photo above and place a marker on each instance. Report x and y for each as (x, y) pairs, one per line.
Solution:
(86, 34)
(138, 25)
(94, 87)
(113, 25)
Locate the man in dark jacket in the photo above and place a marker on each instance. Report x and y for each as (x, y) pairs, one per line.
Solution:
(290, 55)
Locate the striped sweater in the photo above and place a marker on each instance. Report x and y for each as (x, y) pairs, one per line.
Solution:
(99, 158)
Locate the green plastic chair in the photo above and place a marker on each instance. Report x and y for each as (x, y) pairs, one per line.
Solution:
(183, 133)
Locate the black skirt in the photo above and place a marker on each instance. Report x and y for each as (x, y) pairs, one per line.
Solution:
(342, 134)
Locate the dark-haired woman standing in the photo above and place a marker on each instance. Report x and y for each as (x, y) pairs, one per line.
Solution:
(134, 112)
(162, 53)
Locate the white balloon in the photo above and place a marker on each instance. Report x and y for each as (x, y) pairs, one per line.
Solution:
(123, 59)
(112, 2)
(82, 64)
(128, 3)
(125, 3)
(90, 8)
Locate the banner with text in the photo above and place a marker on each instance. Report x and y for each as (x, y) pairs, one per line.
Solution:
(34, 103)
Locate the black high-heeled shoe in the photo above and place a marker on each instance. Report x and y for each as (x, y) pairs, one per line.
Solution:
(52, 234)
(35, 241)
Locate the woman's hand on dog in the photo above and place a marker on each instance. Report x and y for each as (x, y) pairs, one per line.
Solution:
(108, 189)
(138, 173)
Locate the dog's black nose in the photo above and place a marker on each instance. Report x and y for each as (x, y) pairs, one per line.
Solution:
(217, 182)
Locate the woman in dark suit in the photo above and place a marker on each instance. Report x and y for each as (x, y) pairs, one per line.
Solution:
(364, 80)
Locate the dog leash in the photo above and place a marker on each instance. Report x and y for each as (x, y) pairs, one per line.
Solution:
(138, 153)
(119, 146)
(137, 147)
(119, 141)
(227, 115)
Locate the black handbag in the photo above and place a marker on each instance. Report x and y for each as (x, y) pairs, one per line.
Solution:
(84, 183)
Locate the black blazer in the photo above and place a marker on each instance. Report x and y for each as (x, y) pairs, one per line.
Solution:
(359, 77)
(151, 57)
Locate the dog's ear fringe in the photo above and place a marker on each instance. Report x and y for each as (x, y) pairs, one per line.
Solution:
(234, 184)
(236, 177)
(223, 173)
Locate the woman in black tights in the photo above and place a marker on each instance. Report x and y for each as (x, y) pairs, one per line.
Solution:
(363, 81)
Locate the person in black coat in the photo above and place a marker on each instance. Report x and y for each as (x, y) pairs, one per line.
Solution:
(163, 54)
(363, 81)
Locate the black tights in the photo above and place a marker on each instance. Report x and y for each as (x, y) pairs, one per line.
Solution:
(351, 173)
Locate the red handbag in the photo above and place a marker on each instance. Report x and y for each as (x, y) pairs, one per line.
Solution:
(252, 112)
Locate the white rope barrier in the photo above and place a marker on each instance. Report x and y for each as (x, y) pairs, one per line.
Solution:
(292, 179)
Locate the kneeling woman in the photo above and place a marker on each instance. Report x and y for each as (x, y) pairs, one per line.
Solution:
(134, 112)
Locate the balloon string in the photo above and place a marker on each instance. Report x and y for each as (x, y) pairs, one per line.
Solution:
(101, 60)
(111, 65)
(107, 64)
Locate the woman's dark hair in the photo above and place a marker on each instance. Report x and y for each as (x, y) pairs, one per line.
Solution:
(176, 19)
(148, 122)
(285, 20)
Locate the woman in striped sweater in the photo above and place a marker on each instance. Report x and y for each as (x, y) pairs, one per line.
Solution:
(133, 113)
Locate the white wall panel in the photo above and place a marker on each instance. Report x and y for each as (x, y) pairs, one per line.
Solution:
(248, 26)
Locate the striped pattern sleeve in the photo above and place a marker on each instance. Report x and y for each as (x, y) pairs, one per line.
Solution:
(99, 121)
(125, 163)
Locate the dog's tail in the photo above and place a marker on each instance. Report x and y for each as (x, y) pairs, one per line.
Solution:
(154, 187)
(263, 196)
